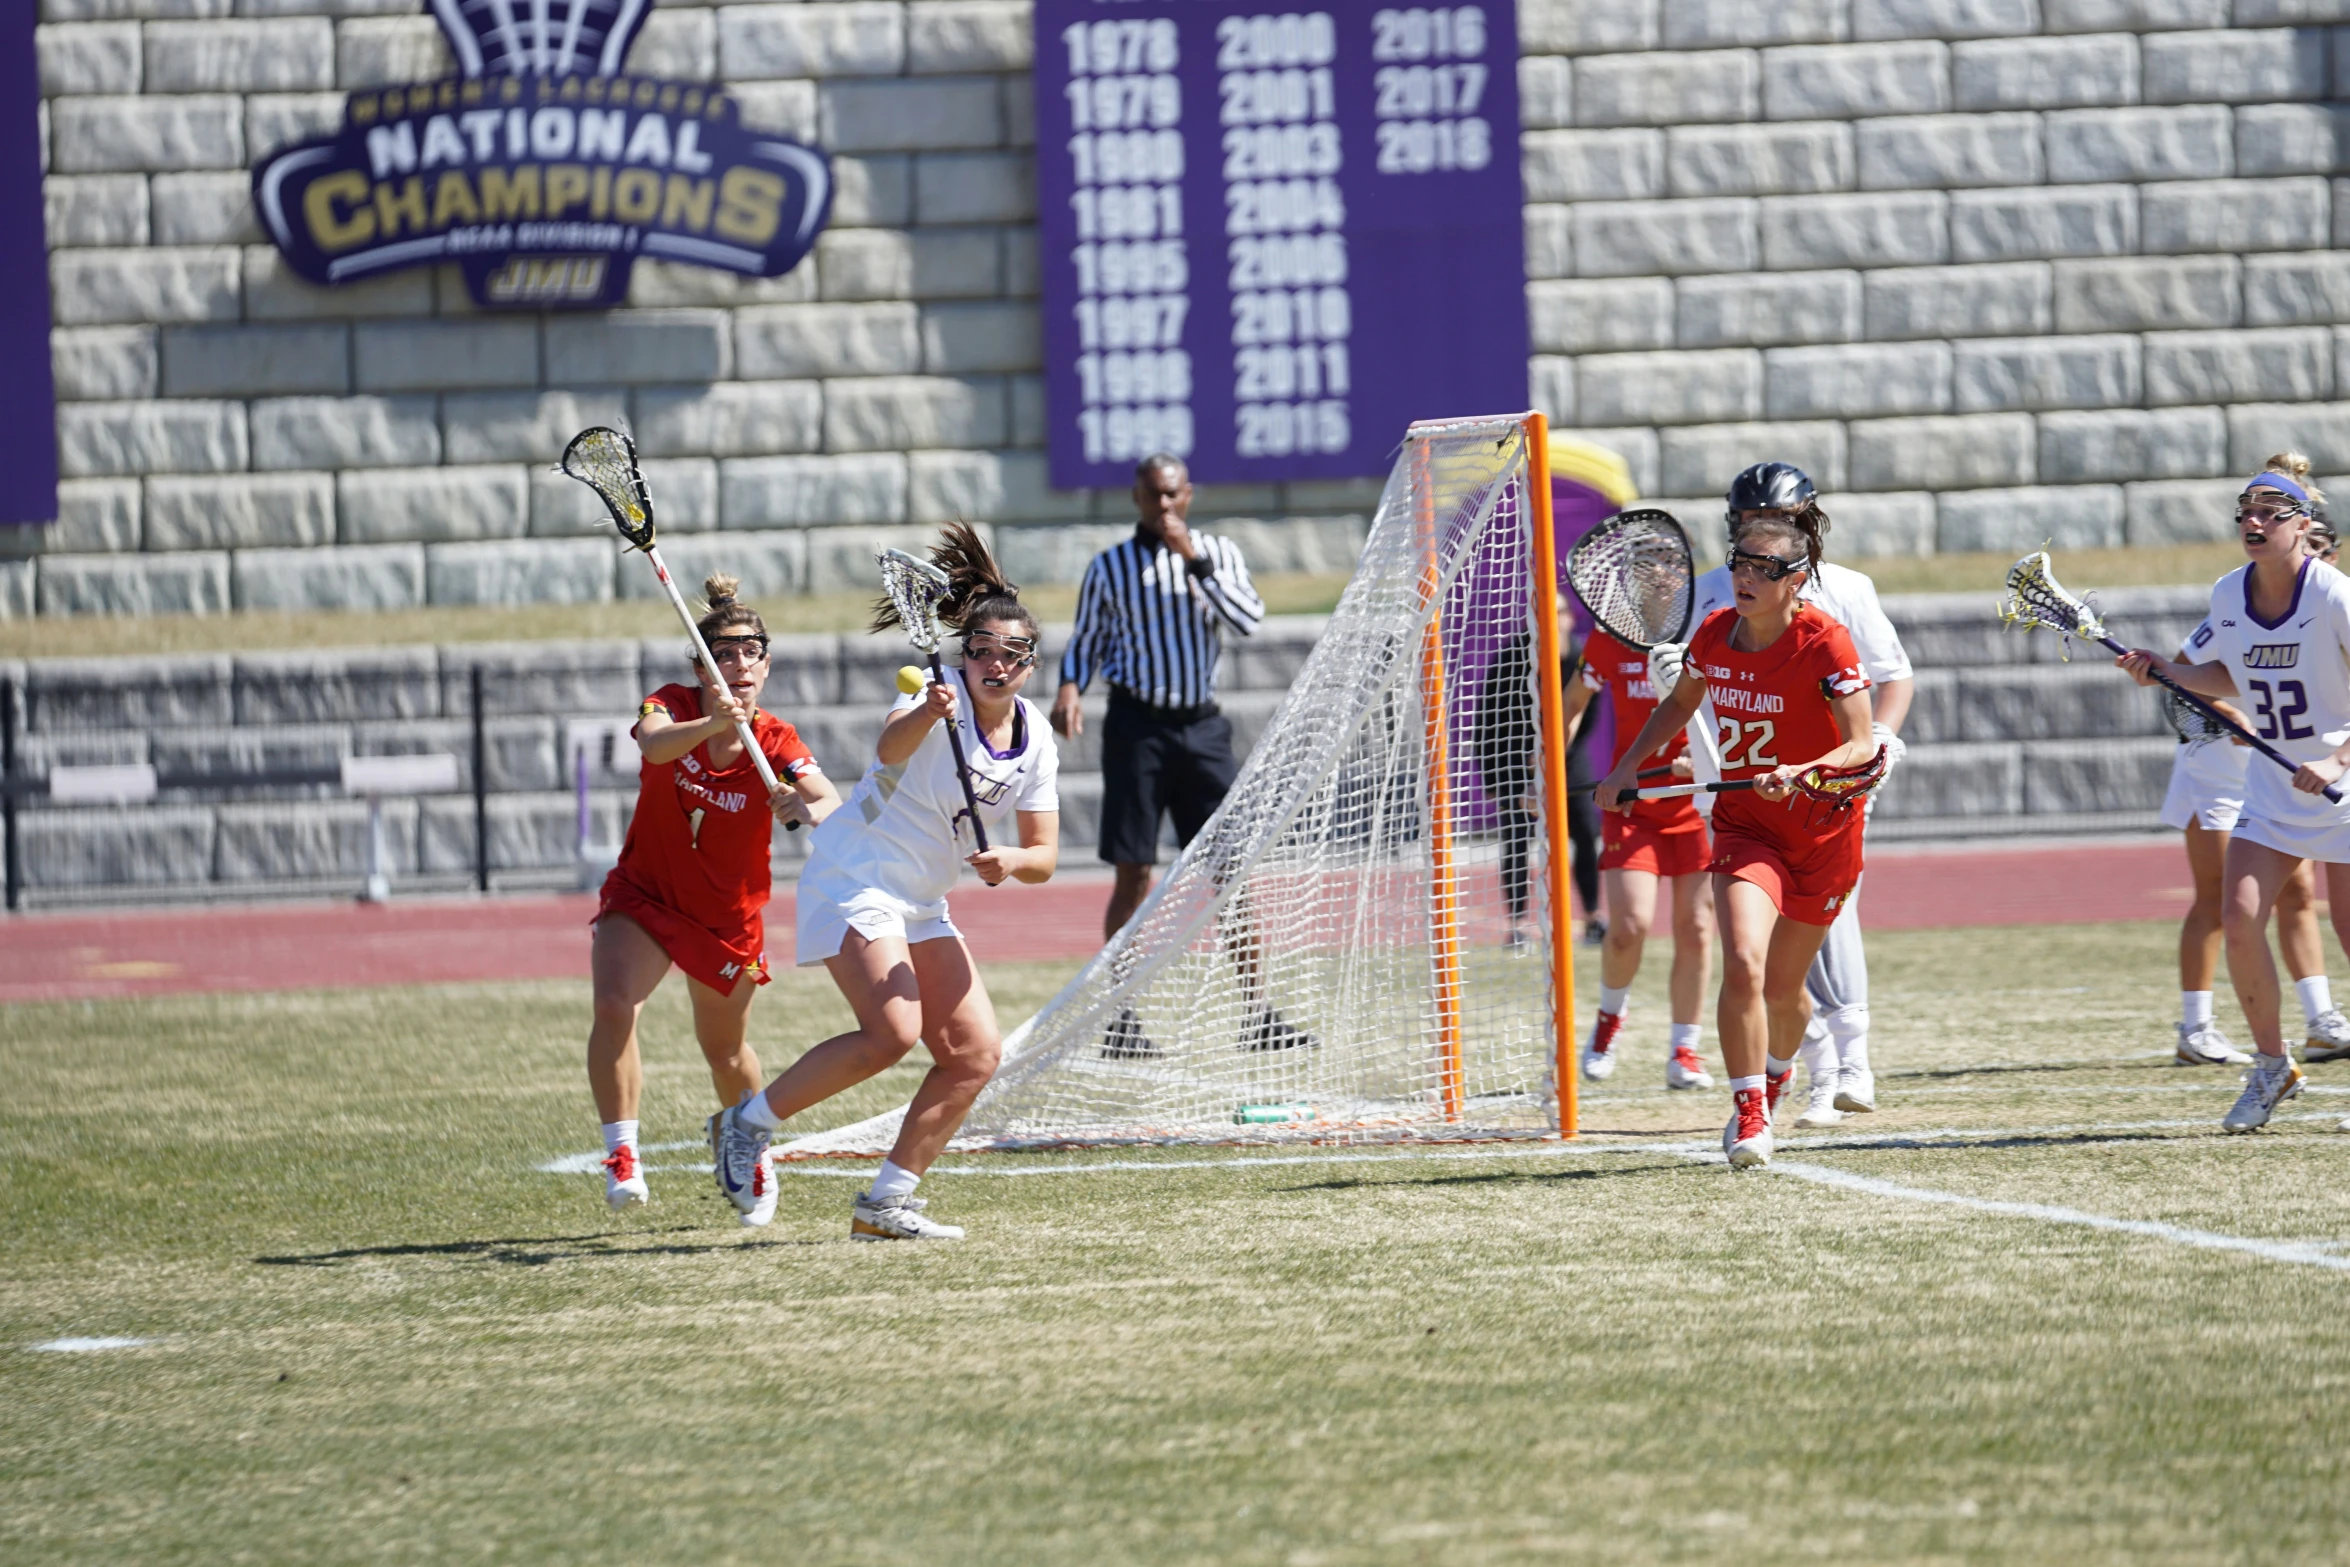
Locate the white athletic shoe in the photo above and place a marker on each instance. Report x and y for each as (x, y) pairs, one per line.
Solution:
(896, 1219)
(738, 1155)
(1599, 1046)
(1747, 1139)
(1856, 1091)
(1684, 1068)
(2329, 1036)
(2345, 1126)
(2264, 1089)
(1819, 1105)
(624, 1180)
(2205, 1045)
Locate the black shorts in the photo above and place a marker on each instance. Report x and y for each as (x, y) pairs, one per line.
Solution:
(1154, 765)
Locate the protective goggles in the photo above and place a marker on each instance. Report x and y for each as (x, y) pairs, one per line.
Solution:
(750, 650)
(1019, 652)
(1770, 567)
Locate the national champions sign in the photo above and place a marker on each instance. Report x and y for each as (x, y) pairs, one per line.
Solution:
(543, 169)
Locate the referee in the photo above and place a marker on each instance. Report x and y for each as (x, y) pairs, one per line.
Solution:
(1151, 616)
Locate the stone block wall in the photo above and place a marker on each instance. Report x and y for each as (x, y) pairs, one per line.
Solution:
(1996, 271)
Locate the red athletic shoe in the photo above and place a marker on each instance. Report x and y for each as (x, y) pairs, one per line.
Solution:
(624, 1179)
(1599, 1051)
(1747, 1139)
(1773, 1087)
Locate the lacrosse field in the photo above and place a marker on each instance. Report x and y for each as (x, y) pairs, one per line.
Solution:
(326, 1276)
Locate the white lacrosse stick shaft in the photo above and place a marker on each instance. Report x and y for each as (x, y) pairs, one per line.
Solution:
(710, 665)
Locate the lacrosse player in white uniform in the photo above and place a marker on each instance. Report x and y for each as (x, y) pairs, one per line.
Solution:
(873, 896)
(2204, 801)
(1835, 1051)
(2280, 646)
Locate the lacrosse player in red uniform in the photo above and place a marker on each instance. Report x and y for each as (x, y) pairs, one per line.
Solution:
(692, 883)
(1654, 840)
(1791, 698)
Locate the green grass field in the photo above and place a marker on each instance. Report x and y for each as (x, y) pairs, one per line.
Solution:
(377, 1331)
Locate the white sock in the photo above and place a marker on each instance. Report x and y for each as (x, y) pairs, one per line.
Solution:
(891, 1181)
(1818, 1051)
(1778, 1068)
(2316, 996)
(2269, 1063)
(754, 1111)
(1739, 1085)
(618, 1134)
(1849, 1028)
(1684, 1034)
(2195, 1008)
(1614, 998)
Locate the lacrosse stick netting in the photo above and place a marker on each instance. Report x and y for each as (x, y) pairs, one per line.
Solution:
(1633, 574)
(915, 589)
(1352, 883)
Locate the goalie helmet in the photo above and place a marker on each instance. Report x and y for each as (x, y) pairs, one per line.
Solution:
(1768, 486)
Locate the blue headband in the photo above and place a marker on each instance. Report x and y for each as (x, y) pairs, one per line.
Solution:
(2277, 481)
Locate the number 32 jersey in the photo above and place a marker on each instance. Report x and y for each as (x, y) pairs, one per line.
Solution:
(2292, 679)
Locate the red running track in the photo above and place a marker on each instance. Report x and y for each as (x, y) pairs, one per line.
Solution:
(78, 956)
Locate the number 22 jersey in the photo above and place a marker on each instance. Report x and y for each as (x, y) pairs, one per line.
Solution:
(1771, 708)
(2292, 680)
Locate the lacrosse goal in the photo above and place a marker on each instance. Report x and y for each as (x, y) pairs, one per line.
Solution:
(1356, 883)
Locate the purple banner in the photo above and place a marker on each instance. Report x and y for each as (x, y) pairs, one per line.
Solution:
(28, 436)
(1272, 239)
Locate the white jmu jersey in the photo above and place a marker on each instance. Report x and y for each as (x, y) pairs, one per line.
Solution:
(2293, 682)
(898, 828)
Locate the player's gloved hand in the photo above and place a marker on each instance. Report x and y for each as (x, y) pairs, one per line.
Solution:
(1894, 746)
(1665, 661)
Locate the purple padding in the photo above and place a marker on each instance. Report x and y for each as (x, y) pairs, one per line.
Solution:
(28, 432)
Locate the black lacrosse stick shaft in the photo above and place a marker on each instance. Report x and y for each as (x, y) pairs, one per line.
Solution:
(962, 766)
(2222, 719)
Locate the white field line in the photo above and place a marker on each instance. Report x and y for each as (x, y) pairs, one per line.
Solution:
(845, 1169)
(85, 1346)
(2318, 1254)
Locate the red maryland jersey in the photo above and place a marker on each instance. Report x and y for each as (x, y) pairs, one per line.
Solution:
(1621, 674)
(1771, 708)
(699, 841)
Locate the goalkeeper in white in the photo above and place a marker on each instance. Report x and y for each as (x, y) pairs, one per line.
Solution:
(1835, 1050)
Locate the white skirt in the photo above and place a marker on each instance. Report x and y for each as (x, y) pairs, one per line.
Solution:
(828, 906)
(2306, 826)
(2206, 786)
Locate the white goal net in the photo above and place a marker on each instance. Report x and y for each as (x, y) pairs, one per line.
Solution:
(1359, 945)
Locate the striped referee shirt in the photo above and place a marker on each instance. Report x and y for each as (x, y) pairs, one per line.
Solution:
(1153, 624)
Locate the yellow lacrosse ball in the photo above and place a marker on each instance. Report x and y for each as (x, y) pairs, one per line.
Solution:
(911, 679)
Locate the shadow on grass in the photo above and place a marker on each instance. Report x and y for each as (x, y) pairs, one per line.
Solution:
(532, 1251)
(1348, 1183)
(2025, 1068)
(1962, 1143)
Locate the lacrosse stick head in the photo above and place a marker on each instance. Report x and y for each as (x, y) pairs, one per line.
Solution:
(915, 588)
(605, 461)
(2035, 598)
(1633, 575)
(1842, 788)
(2189, 722)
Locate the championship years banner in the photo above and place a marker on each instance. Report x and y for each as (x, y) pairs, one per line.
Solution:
(543, 169)
(28, 437)
(1273, 236)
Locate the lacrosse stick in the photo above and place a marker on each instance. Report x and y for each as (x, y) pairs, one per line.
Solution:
(2190, 724)
(916, 588)
(1632, 573)
(1665, 771)
(2035, 598)
(1839, 787)
(605, 461)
